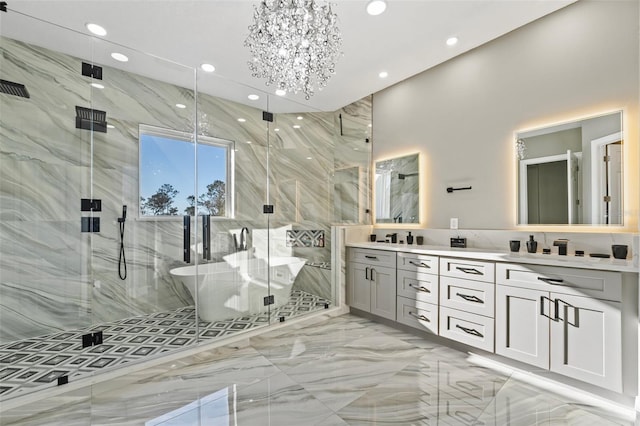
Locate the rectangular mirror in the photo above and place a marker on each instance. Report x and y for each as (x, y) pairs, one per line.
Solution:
(397, 184)
(571, 173)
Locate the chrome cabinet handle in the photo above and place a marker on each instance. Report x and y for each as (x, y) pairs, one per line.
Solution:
(420, 317)
(473, 271)
(421, 288)
(420, 264)
(371, 257)
(471, 331)
(470, 298)
(552, 281)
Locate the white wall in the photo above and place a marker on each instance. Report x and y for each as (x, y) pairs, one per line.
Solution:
(463, 115)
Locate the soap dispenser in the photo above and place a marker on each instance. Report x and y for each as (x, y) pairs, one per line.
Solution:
(409, 238)
(532, 245)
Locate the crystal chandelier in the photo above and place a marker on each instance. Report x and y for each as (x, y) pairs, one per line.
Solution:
(294, 44)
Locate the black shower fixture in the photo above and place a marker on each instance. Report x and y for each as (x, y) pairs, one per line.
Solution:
(401, 176)
(91, 119)
(15, 89)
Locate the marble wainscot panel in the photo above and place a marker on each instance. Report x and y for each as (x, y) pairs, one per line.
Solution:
(54, 277)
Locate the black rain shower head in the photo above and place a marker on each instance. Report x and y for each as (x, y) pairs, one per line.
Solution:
(15, 89)
(91, 119)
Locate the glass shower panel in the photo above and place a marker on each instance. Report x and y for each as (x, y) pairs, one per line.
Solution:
(301, 159)
(143, 259)
(230, 197)
(46, 285)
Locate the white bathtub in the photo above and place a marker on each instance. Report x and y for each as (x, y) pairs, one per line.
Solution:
(237, 287)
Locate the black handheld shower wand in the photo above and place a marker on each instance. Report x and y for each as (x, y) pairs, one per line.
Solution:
(122, 262)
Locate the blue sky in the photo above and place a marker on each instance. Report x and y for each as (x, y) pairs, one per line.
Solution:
(166, 160)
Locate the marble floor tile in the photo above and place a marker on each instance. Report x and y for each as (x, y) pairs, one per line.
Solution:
(335, 372)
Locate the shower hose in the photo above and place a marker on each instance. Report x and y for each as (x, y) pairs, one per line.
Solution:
(122, 261)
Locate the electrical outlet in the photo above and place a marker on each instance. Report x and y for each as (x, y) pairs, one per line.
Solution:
(453, 223)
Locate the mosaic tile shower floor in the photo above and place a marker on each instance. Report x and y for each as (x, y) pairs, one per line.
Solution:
(31, 363)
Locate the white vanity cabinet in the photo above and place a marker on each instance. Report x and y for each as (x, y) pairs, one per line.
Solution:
(371, 281)
(417, 290)
(467, 301)
(567, 320)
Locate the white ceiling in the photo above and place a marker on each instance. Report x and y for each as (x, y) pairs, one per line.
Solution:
(405, 40)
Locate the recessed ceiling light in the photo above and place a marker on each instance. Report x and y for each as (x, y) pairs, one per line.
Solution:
(253, 97)
(276, 130)
(96, 29)
(119, 57)
(249, 142)
(181, 106)
(207, 68)
(451, 41)
(383, 74)
(241, 120)
(300, 117)
(376, 7)
(296, 126)
(309, 158)
(281, 92)
(97, 85)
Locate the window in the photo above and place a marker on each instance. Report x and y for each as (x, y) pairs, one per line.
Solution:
(167, 175)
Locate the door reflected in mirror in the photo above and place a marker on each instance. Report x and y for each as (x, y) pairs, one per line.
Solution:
(571, 173)
(397, 186)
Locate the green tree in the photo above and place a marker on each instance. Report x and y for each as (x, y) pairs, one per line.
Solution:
(191, 209)
(214, 199)
(161, 203)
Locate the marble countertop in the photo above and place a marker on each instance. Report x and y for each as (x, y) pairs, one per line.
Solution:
(611, 264)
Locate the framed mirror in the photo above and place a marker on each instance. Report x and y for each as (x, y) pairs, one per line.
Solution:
(571, 173)
(397, 190)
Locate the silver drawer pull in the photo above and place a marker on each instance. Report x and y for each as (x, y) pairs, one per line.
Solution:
(371, 257)
(552, 281)
(470, 298)
(420, 264)
(420, 317)
(426, 290)
(473, 271)
(471, 331)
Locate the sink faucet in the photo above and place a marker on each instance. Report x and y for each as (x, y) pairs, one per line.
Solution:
(562, 246)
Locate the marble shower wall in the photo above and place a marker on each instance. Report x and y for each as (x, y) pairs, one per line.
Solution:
(52, 276)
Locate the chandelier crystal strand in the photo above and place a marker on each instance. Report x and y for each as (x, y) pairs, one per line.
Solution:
(294, 44)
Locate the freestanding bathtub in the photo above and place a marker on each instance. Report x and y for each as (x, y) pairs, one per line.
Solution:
(237, 287)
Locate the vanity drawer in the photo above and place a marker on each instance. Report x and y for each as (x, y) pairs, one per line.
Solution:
(605, 285)
(468, 269)
(470, 329)
(414, 313)
(372, 257)
(418, 262)
(417, 286)
(469, 296)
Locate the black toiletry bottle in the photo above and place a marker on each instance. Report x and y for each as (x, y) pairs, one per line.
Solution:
(409, 238)
(532, 245)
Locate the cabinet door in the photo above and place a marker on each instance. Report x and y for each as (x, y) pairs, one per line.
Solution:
(522, 325)
(359, 286)
(383, 292)
(586, 341)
